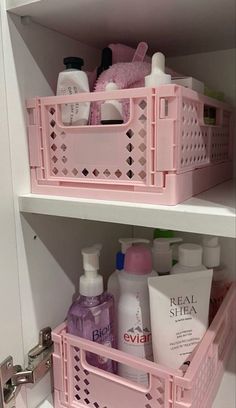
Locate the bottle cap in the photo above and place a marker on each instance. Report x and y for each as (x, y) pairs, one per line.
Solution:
(128, 242)
(158, 75)
(162, 233)
(163, 253)
(106, 61)
(138, 260)
(73, 62)
(91, 283)
(125, 244)
(190, 255)
(211, 251)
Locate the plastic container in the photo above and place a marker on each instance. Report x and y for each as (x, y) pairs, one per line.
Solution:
(91, 316)
(163, 154)
(113, 282)
(133, 312)
(220, 282)
(72, 81)
(162, 254)
(190, 259)
(79, 385)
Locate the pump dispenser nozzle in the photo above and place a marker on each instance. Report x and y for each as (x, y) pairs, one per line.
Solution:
(158, 75)
(125, 244)
(162, 254)
(91, 283)
(128, 242)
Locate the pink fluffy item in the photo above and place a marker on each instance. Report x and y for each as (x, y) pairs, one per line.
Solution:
(124, 75)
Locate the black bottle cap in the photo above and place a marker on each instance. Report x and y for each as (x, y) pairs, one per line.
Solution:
(73, 62)
(106, 61)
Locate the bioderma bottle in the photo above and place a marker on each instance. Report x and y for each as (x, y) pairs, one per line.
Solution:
(92, 315)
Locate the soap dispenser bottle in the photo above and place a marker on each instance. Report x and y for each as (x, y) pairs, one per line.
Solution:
(162, 254)
(91, 316)
(113, 282)
(158, 75)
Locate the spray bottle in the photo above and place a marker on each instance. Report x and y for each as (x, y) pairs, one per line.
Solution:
(113, 283)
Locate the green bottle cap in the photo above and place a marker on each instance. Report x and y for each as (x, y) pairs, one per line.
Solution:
(162, 233)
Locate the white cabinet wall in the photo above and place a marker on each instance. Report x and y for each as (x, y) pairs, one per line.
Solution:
(40, 254)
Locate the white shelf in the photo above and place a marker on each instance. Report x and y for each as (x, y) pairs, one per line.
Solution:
(212, 212)
(193, 26)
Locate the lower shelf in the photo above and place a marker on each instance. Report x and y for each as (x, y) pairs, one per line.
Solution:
(79, 385)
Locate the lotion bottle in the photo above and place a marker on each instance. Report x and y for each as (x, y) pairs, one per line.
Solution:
(220, 284)
(72, 81)
(190, 259)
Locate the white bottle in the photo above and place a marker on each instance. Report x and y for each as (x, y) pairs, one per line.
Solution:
(158, 75)
(113, 282)
(72, 81)
(220, 283)
(162, 254)
(190, 259)
(134, 327)
(111, 110)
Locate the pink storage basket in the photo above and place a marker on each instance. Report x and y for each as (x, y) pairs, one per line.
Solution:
(163, 154)
(79, 385)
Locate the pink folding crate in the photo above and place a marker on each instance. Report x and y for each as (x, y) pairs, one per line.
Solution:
(163, 154)
(79, 385)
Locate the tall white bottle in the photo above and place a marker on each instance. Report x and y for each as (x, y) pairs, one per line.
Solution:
(72, 81)
(113, 282)
(134, 327)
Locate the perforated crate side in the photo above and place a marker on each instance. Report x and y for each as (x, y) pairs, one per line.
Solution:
(197, 389)
(184, 141)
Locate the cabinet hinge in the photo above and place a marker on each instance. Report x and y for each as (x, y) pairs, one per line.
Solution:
(13, 376)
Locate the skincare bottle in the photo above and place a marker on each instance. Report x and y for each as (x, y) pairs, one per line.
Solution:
(164, 233)
(111, 110)
(158, 75)
(190, 259)
(113, 282)
(72, 81)
(162, 254)
(92, 315)
(106, 61)
(134, 328)
(220, 284)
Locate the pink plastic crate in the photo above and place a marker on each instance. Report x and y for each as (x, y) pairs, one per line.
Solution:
(163, 154)
(79, 385)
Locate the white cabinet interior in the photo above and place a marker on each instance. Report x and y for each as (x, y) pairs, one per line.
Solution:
(44, 250)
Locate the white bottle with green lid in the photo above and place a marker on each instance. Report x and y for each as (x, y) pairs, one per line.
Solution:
(162, 254)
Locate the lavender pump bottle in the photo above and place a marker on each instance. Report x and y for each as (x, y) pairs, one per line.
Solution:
(91, 316)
